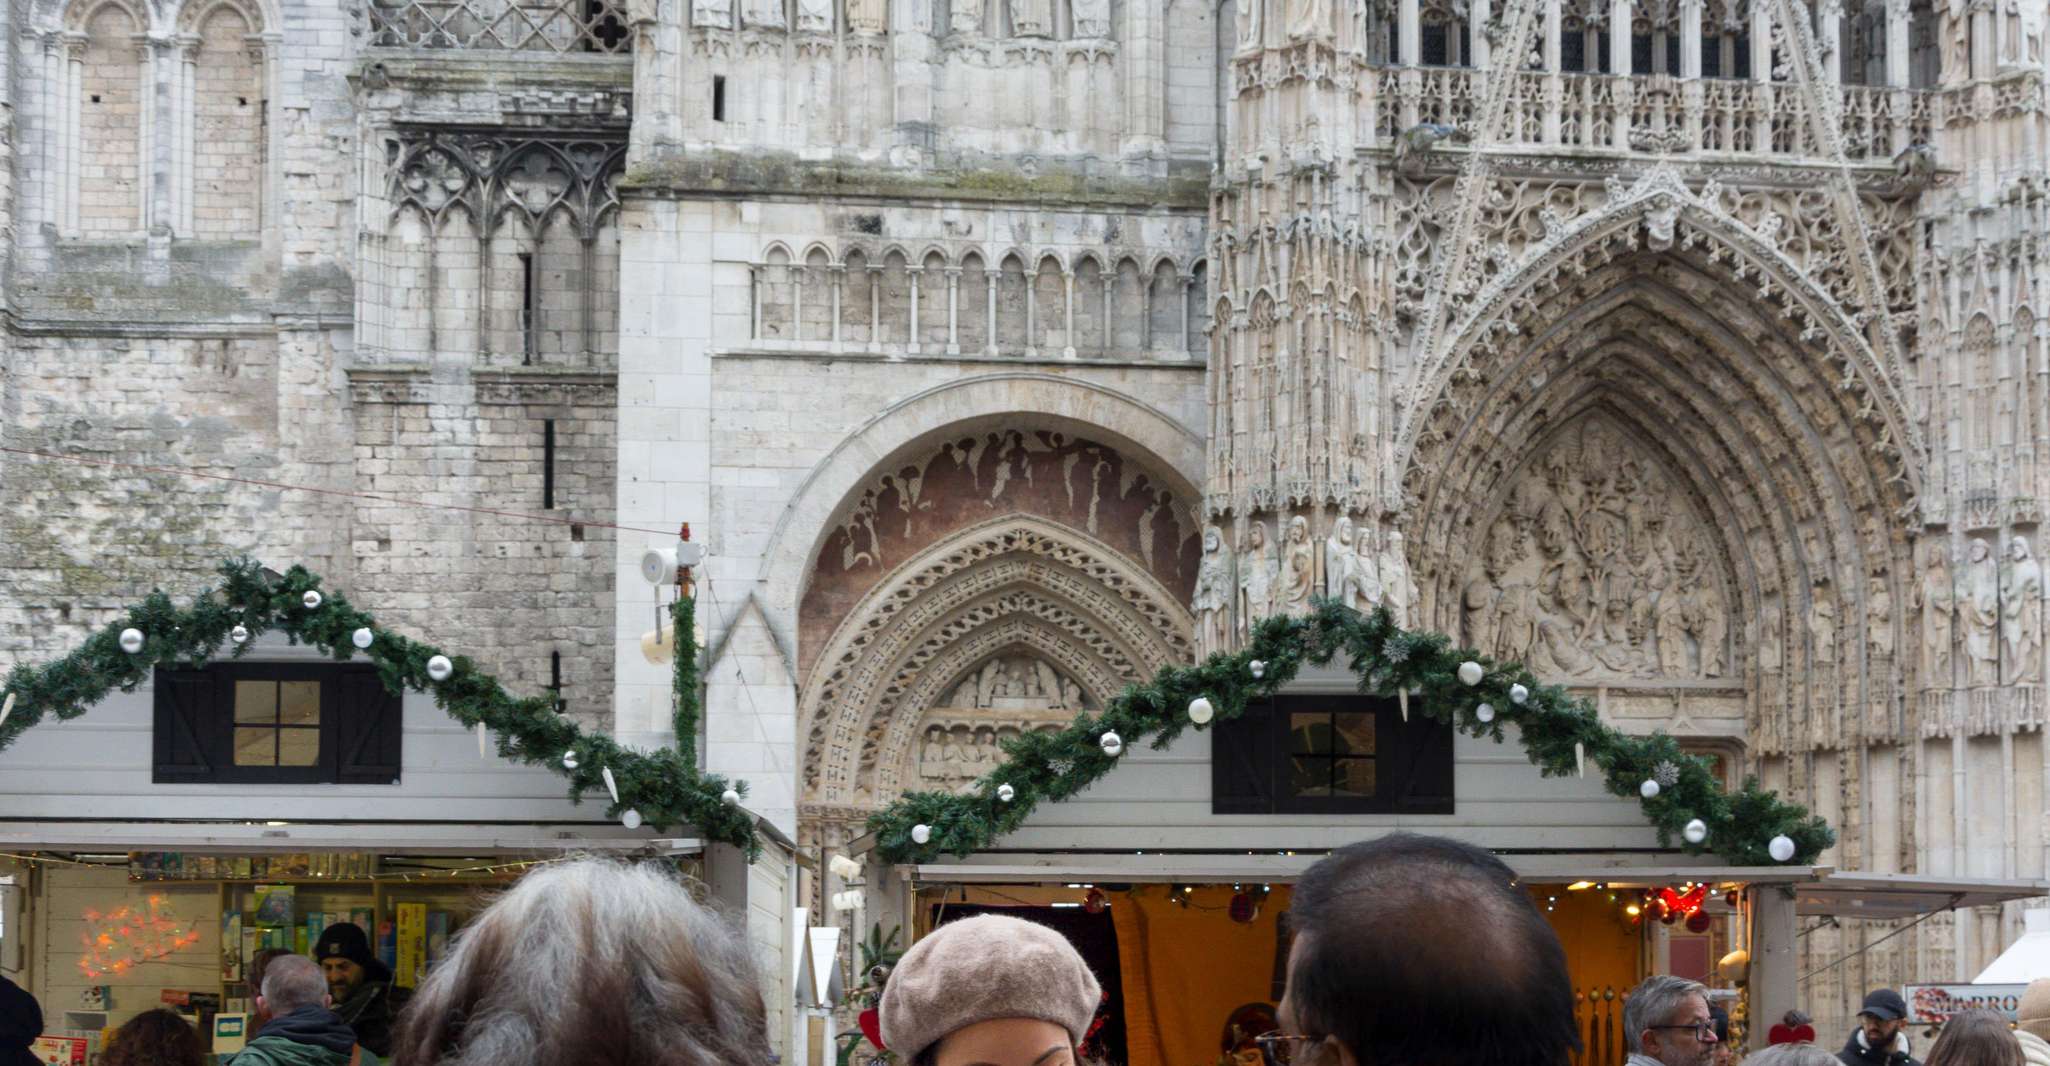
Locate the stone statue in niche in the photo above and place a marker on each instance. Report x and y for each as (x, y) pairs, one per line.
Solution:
(711, 14)
(1091, 18)
(2021, 614)
(1769, 638)
(815, 16)
(1936, 597)
(1822, 623)
(767, 14)
(1029, 19)
(1979, 609)
(867, 16)
(1398, 589)
(1879, 619)
(1309, 18)
(1259, 577)
(1298, 568)
(1362, 588)
(1212, 599)
(1249, 24)
(965, 16)
(1957, 41)
(1337, 557)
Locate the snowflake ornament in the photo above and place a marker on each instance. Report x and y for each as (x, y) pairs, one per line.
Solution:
(1666, 774)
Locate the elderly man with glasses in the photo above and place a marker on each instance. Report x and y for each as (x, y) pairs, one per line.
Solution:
(1667, 1022)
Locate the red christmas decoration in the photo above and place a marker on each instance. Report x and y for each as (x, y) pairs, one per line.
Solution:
(1783, 1033)
(1095, 902)
(1675, 903)
(872, 1026)
(1697, 922)
(1244, 908)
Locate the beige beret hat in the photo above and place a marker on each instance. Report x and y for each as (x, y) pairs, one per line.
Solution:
(2033, 1015)
(980, 969)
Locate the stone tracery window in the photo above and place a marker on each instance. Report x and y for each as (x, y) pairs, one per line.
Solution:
(559, 26)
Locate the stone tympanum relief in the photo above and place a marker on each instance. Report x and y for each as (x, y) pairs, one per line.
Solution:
(962, 739)
(1595, 567)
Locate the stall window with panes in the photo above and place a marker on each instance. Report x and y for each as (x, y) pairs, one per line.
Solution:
(275, 723)
(1331, 754)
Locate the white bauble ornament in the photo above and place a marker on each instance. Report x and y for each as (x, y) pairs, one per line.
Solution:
(1006, 793)
(1696, 831)
(1112, 744)
(131, 640)
(630, 818)
(239, 634)
(311, 599)
(569, 760)
(921, 834)
(1200, 711)
(439, 668)
(362, 638)
(1649, 789)
(1470, 673)
(730, 797)
(1781, 848)
(1258, 667)
(1517, 694)
(1485, 712)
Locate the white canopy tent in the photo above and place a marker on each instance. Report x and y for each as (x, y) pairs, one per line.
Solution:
(2027, 959)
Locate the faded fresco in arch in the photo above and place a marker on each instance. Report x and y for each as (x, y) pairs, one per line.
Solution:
(972, 478)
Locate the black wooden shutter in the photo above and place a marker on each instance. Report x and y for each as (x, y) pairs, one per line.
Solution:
(1242, 767)
(1423, 770)
(184, 723)
(369, 722)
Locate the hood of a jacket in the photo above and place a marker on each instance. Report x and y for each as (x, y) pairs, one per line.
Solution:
(314, 1027)
(1857, 1045)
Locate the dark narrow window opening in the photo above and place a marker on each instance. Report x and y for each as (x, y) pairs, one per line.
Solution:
(1743, 60)
(1711, 57)
(555, 681)
(1603, 46)
(548, 464)
(1573, 52)
(1433, 45)
(1673, 54)
(527, 324)
(718, 98)
(1640, 54)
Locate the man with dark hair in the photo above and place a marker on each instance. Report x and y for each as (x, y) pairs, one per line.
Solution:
(361, 985)
(1879, 1039)
(1422, 951)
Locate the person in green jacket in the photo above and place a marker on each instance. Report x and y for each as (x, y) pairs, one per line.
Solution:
(302, 1030)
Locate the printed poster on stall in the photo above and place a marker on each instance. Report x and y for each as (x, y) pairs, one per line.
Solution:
(1934, 1004)
(60, 1050)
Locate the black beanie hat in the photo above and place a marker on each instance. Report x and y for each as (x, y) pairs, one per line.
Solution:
(345, 940)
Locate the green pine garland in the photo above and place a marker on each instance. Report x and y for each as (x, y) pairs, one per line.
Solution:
(664, 786)
(1050, 767)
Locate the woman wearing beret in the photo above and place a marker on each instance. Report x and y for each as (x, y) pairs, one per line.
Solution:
(989, 991)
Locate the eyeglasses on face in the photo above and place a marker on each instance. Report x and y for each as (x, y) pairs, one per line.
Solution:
(1279, 1049)
(1703, 1031)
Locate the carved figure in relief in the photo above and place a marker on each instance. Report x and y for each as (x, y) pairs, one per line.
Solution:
(1936, 597)
(1091, 18)
(1957, 42)
(1249, 24)
(1477, 609)
(965, 16)
(1298, 567)
(1398, 589)
(1309, 18)
(2021, 614)
(1213, 596)
(1362, 577)
(1980, 611)
(815, 16)
(767, 14)
(1337, 557)
(867, 16)
(1822, 623)
(1028, 18)
(1769, 637)
(712, 14)
(1259, 576)
(1879, 619)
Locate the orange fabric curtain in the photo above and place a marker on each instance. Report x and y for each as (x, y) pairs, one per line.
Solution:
(1187, 968)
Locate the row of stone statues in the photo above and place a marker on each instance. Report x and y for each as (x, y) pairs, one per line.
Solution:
(1998, 606)
(1087, 19)
(810, 16)
(1236, 589)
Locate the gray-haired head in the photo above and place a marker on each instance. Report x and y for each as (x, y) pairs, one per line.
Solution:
(592, 961)
(291, 982)
(1801, 1054)
(1656, 1002)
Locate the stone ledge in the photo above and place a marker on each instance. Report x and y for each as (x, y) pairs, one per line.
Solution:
(818, 355)
(493, 386)
(766, 175)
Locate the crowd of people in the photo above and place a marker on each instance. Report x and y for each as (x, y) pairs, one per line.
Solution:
(1407, 950)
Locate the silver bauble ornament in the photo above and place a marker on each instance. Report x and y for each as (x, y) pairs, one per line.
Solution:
(1649, 789)
(1470, 673)
(730, 797)
(1696, 831)
(131, 640)
(439, 668)
(1006, 793)
(1112, 744)
(630, 818)
(1200, 711)
(1258, 668)
(1781, 848)
(311, 599)
(362, 638)
(921, 834)
(239, 634)
(1517, 694)
(1485, 712)
(569, 760)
